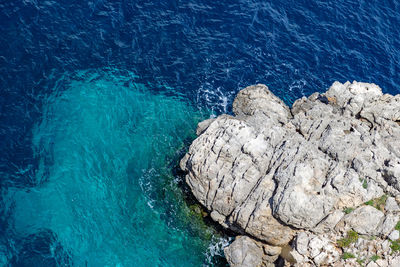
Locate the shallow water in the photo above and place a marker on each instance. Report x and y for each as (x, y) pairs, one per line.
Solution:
(104, 190)
(87, 165)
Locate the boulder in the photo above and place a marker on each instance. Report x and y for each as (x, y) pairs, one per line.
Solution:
(244, 252)
(270, 171)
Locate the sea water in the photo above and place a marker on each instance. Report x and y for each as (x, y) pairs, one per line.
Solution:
(104, 191)
(99, 99)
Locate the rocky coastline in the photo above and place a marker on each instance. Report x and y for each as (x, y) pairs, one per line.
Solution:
(317, 184)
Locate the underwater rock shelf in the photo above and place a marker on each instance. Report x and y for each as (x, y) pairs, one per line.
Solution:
(315, 184)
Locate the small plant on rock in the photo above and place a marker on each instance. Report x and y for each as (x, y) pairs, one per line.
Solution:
(395, 246)
(360, 261)
(365, 184)
(369, 202)
(348, 255)
(348, 210)
(374, 258)
(378, 203)
(397, 227)
(352, 237)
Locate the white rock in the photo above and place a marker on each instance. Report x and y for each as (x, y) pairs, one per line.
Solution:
(301, 243)
(365, 220)
(202, 126)
(316, 245)
(296, 256)
(330, 222)
(391, 204)
(388, 224)
(321, 258)
(385, 245)
(381, 263)
(372, 264)
(243, 252)
(271, 250)
(394, 262)
(270, 171)
(394, 235)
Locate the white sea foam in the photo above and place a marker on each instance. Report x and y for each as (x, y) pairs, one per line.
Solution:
(298, 86)
(216, 248)
(216, 99)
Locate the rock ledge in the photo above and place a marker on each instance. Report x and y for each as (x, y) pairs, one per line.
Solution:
(316, 184)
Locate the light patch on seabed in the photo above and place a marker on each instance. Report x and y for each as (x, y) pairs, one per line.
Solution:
(103, 144)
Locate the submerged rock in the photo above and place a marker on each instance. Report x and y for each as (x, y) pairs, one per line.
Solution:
(273, 173)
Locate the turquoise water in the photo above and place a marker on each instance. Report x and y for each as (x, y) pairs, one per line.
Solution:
(105, 189)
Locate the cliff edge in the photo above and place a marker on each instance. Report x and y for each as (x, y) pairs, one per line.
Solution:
(315, 184)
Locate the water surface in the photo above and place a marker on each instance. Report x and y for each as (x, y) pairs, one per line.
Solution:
(98, 100)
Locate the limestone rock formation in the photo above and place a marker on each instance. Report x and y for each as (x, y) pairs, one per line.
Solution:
(245, 251)
(303, 176)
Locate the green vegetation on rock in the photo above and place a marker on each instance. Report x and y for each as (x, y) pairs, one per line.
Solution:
(397, 227)
(348, 210)
(348, 255)
(395, 246)
(369, 202)
(360, 261)
(365, 184)
(352, 237)
(375, 258)
(378, 203)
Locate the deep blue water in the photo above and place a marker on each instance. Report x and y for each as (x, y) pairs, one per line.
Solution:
(99, 99)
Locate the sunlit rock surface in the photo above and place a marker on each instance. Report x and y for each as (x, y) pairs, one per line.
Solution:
(271, 172)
